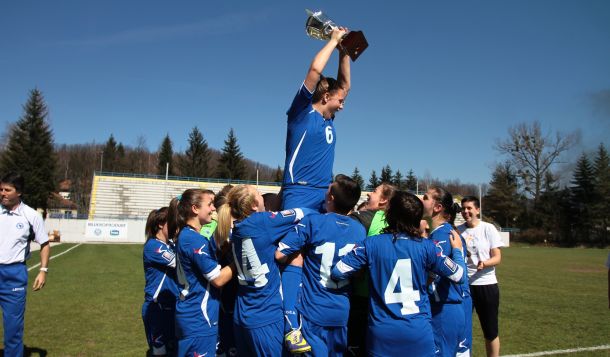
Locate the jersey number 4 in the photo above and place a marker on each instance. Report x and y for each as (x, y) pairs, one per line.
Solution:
(251, 270)
(403, 277)
(328, 253)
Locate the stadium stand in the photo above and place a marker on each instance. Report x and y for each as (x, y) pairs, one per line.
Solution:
(125, 196)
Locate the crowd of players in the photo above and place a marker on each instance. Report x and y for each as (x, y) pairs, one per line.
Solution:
(305, 272)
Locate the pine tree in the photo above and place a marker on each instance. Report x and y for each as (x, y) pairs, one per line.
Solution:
(166, 155)
(194, 162)
(358, 178)
(502, 199)
(373, 181)
(582, 198)
(411, 181)
(386, 174)
(231, 163)
(120, 159)
(30, 152)
(109, 155)
(397, 180)
(601, 205)
(279, 175)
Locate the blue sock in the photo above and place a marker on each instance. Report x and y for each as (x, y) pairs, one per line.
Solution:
(291, 282)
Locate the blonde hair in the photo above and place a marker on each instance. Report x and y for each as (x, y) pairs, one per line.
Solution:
(238, 206)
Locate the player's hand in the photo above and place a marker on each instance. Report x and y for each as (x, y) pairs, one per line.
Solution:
(338, 34)
(41, 278)
(481, 265)
(455, 240)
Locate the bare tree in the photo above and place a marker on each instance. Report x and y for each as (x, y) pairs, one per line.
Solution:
(533, 153)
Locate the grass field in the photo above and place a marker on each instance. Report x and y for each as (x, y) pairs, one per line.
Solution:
(551, 299)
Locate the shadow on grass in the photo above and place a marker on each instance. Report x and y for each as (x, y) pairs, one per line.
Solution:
(29, 351)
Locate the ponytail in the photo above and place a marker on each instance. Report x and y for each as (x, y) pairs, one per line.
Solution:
(225, 221)
(238, 205)
(180, 209)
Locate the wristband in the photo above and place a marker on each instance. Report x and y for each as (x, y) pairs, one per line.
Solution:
(45, 269)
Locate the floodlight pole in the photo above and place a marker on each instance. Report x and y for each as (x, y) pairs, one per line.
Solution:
(166, 175)
(480, 202)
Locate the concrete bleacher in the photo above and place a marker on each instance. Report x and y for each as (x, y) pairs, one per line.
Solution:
(127, 197)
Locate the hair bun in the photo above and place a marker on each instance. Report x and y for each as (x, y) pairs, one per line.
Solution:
(456, 207)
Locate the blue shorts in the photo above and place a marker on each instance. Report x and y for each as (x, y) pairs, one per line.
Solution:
(198, 346)
(448, 325)
(396, 338)
(296, 196)
(324, 341)
(159, 326)
(260, 341)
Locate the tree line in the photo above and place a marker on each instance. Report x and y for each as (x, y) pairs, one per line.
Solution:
(29, 149)
(524, 194)
(525, 191)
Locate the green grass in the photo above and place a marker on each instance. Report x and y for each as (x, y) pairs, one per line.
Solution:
(91, 304)
(551, 299)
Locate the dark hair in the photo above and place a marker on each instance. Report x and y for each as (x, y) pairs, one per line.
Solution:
(325, 85)
(273, 202)
(156, 218)
(14, 179)
(180, 209)
(404, 213)
(476, 201)
(450, 208)
(346, 193)
(221, 196)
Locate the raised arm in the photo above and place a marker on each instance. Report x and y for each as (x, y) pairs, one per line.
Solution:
(322, 57)
(343, 75)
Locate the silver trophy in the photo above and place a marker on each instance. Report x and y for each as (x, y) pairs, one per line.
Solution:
(319, 26)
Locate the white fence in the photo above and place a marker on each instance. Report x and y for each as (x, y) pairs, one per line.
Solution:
(101, 231)
(119, 231)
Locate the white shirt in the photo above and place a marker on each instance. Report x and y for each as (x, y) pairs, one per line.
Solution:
(15, 233)
(480, 240)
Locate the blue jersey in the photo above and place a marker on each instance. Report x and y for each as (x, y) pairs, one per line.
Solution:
(443, 290)
(310, 144)
(399, 307)
(326, 238)
(159, 271)
(259, 300)
(197, 308)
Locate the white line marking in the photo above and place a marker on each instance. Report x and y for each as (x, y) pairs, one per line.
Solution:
(571, 350)
(55, 256)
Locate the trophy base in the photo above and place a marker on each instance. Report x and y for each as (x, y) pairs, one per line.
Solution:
(354, 44)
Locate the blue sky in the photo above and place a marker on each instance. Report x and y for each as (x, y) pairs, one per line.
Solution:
(441, 82)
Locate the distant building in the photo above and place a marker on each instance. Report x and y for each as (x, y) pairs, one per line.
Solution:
(59, 203)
